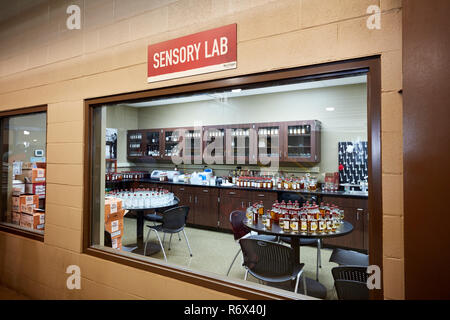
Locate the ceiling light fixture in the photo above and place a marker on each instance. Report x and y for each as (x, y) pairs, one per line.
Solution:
(329, 109)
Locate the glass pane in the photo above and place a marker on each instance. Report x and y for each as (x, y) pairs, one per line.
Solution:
(290, 153)
(153, 144)
(268, 141)
(23, 178)
(299, 141)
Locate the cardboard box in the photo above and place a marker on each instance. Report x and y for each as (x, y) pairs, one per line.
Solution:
(112, 206)
(115, 226)
(18, 187)
(36, 188)
(29, 199)
(15, 217)
(35, 175)
(33, 221)
(15, 206)
(117, 243)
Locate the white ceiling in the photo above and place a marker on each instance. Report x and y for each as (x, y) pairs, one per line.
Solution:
(249, 92)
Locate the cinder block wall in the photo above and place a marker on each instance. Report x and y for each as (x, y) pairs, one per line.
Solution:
(42, 62)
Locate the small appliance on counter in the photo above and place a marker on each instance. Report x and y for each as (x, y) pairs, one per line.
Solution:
(162, 174)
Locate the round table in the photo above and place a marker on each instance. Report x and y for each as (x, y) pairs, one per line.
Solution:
(152, 248)
(344, 229)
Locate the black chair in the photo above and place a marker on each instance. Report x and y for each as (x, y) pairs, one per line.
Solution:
(349, 257)
(291, 196)
(240, 231)
(173, 221)
(351, 282)
(271, 262)
(155, 217)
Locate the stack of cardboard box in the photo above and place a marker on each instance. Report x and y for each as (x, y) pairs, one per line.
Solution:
(28, 196)
(114, 221)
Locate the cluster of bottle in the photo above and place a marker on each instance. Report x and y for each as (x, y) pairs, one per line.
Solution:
(268, 131)
(297, 183)
(136, 136)
(250, 179)
(296, 130)
(262, 182)
(119, 176)
(143, 198)
(308, 219)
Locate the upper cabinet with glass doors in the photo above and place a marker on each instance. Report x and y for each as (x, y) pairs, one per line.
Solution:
(293, 141)
(301, 141)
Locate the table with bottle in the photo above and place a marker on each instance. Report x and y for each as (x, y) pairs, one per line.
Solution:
(140, 202)
(294, 221)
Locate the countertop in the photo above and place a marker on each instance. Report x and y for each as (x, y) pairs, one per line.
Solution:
(354, 194)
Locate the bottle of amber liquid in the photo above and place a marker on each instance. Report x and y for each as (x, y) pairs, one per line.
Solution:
(261, 208)
(313, 226)
(303, 225)
(287, 223)
(294, 224)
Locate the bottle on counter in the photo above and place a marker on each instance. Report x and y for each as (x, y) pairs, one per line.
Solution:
(294, 223)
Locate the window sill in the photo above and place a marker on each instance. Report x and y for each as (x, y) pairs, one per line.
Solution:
(20, 231)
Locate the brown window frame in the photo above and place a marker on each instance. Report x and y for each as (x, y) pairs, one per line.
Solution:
(373, 66)
(18, 112)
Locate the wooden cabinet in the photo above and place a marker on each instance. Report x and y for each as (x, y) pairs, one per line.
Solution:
(185, 195)
(355, 212)
(203, 203)
(293, 141)
(231, 200)
(268, 198)
(241, 144)
(301, 141)
(214, 143)
(206, 207)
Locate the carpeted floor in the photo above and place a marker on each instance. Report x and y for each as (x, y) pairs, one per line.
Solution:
(214, 251)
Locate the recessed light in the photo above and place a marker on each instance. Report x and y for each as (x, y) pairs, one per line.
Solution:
(329, 109)
(236, 90)
(25, 132)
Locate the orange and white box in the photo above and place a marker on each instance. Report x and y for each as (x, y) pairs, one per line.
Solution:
(29, 199)
(15, 203)
(15, 217)
(112, 206)
(117, 243)
(33, 221)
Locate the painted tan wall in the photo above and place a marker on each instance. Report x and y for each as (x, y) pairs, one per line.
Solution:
(41, 62)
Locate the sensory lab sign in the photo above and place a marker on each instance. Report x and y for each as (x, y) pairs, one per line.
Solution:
(203, 52)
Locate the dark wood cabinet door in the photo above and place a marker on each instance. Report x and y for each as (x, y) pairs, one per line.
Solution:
(355, 212)
(186, 199)
(228, 205)
(355, 239)
(268, 198)
(206, 209)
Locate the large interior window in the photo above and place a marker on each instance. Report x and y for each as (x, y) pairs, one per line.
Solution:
(23, 176)
(170, 174)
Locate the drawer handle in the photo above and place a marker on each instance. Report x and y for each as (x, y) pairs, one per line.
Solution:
(181, 189)
(261, 195)
(231, 192)
(204, 190)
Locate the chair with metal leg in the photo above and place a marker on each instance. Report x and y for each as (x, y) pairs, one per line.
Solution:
(174, 221)
(240, 231)
(351, 282)
(271, 262)
(306, 242)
